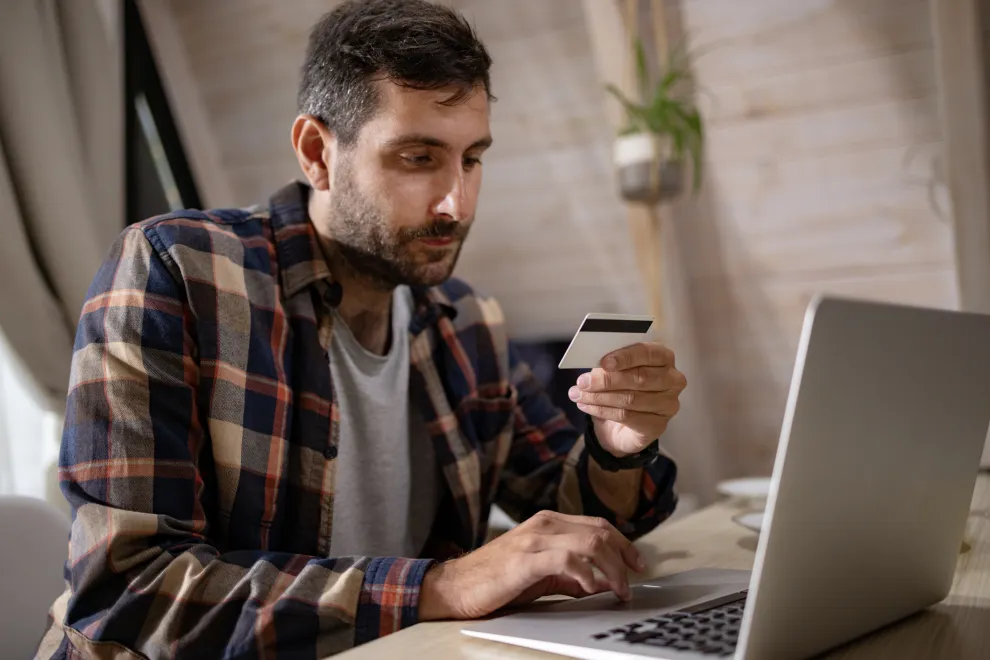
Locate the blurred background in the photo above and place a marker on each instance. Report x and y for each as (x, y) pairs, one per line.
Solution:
(842, 146)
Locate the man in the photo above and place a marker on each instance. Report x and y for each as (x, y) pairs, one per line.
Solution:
(286, 425)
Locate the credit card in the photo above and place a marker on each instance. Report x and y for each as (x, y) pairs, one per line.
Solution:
(600, 334)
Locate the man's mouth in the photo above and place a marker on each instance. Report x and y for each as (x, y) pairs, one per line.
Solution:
(438, 242)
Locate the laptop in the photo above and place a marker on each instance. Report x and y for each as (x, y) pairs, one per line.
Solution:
(879, 451)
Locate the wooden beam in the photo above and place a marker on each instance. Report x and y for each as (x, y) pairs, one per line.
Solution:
(186, 103)
(957, 27)
(960, 55)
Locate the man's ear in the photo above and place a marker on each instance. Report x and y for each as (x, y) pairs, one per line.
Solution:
(313, 143)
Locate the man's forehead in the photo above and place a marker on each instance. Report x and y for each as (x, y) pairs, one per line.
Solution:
(404, 110)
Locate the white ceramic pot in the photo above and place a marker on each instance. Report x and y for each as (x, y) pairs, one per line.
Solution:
(635, 149)
(645, 173)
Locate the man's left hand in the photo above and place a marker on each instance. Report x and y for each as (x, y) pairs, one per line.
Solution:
(632, 396)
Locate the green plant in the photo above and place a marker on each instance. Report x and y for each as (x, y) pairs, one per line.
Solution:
(666, 109)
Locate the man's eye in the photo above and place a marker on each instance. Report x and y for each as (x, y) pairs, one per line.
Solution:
(420, 159)
(471, 162)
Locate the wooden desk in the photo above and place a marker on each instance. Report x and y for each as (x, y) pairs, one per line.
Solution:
(958, 628)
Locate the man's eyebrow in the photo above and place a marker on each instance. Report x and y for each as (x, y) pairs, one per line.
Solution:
(430, 141)
(483, 143)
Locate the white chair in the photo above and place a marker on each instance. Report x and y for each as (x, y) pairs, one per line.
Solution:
(33, 548)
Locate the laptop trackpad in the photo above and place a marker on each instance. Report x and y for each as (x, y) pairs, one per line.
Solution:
(644, 597)
(671, 592)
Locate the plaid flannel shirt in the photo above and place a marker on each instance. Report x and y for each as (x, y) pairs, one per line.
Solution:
(201, 430)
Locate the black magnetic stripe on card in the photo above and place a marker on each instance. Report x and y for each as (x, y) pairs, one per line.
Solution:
(616, 325)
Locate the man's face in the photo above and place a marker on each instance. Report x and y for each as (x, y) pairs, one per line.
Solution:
(403, 196)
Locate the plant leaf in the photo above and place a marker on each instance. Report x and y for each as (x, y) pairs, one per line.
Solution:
(692, 120)
(690, 134)
(634, 113)
(642, 71)
(671, 78)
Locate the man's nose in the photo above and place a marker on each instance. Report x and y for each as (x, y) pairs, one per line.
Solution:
(454, 203)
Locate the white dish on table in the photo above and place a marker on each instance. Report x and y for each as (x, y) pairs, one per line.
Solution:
(754, 490)
(751, 520)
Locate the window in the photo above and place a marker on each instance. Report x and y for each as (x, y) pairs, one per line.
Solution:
(159, 179)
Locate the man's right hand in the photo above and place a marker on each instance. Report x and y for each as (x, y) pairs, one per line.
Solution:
(551, 553)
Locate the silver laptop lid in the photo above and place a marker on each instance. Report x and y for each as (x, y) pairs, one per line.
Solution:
(883, 431)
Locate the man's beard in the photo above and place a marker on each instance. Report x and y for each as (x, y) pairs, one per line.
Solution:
(386, 257)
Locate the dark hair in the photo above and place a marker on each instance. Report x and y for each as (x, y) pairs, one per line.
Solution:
(413, 43)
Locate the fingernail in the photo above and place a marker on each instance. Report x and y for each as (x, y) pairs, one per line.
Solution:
(574, 393)
(584, 381)
(610, 363)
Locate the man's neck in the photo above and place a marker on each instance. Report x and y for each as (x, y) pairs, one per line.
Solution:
(364, 307)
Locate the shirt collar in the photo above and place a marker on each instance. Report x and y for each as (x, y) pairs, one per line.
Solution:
(301, 261)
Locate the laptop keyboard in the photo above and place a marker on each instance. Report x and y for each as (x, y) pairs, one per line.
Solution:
(711, 628)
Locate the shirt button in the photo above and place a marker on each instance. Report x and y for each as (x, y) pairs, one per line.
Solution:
(330, 452)
(333, 294)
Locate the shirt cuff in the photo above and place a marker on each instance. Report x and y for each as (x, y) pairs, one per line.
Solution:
(389, 598)
(657, 497)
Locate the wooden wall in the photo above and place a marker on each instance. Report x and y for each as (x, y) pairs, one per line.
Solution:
(823, 143)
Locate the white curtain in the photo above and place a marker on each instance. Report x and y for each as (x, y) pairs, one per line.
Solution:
(61, 205)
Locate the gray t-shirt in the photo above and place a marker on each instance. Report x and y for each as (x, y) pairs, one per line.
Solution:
(386, 490)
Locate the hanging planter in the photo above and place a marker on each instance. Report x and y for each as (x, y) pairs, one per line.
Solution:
(645, 169)
(652, 153)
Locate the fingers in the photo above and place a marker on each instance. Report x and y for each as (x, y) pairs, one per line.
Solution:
(566, 586)
(647, 423)
(656, 403)
(636, 379)
(557, 585)
(594, 547)
(560, 563)
(553, 522)
(569, 565)
(642, 354)
(577, 543)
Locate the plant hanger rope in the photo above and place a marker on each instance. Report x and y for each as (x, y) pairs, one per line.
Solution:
(660, 40)
(660, 44)
(660, 32)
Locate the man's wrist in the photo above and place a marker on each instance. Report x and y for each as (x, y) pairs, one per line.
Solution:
(610, 461)
(433, 599)
(619, 490)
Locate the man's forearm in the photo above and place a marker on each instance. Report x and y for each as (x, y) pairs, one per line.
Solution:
(619, 491)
